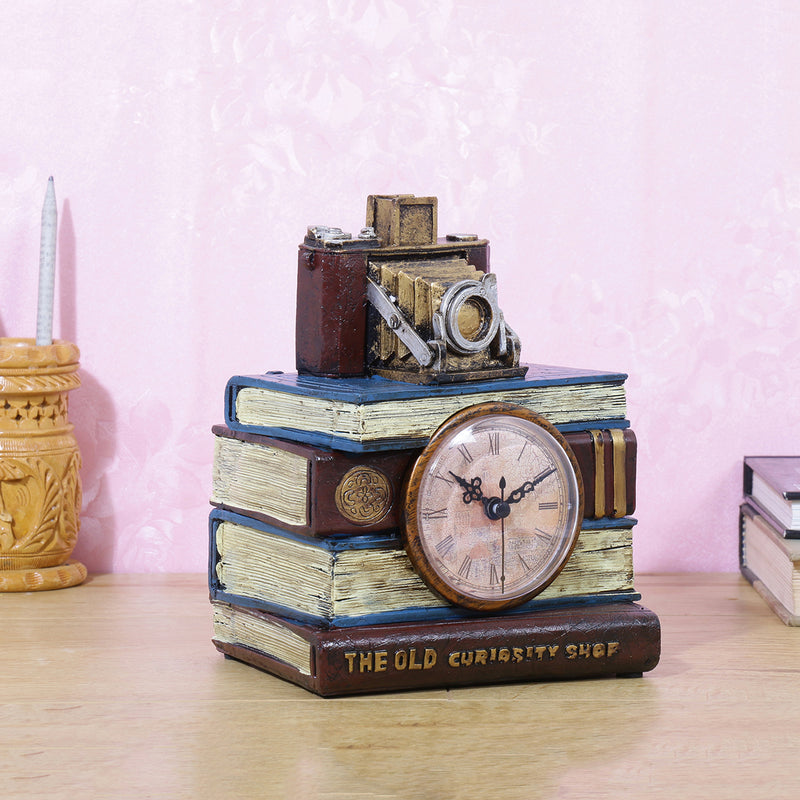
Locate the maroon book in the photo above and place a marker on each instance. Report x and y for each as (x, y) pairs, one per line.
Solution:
(589, 641)
(337, 492)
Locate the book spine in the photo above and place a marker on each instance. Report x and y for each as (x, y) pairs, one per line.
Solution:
(607, 459)
(572, 643)
(745, 512)
(747, 480)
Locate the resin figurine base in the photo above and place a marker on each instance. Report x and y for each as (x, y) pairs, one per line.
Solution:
(40, 486)
(32, 580)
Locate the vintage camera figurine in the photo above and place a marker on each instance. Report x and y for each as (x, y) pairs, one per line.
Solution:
(396, 301)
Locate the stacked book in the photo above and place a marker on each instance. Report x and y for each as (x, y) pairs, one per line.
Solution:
(308, 576)
(769, 532)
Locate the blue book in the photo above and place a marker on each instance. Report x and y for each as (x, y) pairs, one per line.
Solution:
(365, 579)
(363, 414)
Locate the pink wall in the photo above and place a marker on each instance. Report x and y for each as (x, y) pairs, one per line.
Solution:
(636, 166)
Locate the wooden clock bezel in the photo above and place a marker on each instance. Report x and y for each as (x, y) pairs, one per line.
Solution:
(410, 531)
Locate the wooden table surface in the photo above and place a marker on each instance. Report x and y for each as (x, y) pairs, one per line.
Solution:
(113, 690)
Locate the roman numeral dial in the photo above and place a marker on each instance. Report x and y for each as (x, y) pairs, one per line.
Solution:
(493, 507)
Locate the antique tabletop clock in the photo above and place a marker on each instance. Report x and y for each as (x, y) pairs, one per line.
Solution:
(415, 507)
(493, 507)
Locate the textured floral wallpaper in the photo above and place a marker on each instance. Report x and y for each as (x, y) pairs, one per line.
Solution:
(636, 166)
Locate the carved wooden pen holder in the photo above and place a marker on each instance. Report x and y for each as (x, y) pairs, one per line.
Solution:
(40, 485)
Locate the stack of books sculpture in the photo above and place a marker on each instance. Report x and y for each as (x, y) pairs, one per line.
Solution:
(769, 532)
(415, 508)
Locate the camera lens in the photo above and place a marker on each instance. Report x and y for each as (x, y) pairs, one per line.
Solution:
(470, 317)
(474, 319)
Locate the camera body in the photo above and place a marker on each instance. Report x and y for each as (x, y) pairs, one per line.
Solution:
(398, 302)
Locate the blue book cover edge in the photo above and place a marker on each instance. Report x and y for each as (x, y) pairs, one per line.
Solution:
(374, 389)
(417, 614)
(331, 442)
(366, 541)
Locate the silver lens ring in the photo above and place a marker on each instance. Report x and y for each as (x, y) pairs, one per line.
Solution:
(463, 296)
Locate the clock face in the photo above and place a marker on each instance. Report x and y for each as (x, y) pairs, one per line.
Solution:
(493, 507)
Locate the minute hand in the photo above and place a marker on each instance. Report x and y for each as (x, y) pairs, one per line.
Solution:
(528, 486)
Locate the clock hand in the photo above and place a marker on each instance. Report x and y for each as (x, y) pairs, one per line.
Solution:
(472, 489)
(529, 486)
(503, 539)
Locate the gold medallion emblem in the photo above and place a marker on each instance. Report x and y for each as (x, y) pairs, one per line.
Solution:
(364, 495)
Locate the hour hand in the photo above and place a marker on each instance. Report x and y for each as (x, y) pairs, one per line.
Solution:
(472, 489)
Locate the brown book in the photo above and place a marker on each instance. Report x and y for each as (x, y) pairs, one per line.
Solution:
(321, 492)
(573, 642)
